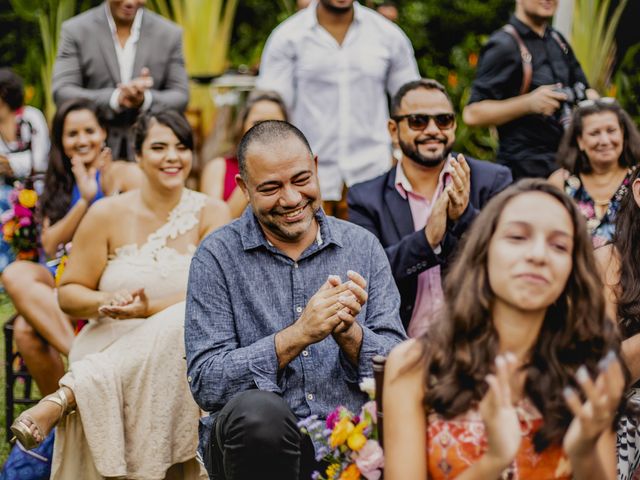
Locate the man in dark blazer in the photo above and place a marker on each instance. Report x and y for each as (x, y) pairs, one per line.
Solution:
(126, 59)
(420, 208)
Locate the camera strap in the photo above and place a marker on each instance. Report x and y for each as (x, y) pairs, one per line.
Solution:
(525, 54)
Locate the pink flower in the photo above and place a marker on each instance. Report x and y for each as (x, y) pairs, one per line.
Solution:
(6, 216)
(333, 418)
(371, 409)
(370, 460)
(21, 211)
(25, 221)
(13, 196)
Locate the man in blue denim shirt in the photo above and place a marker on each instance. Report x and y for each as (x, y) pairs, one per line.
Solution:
(285, 309)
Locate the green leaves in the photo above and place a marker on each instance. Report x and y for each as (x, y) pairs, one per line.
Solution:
(593, 39)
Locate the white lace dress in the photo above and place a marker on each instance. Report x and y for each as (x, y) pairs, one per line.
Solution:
(136, 417)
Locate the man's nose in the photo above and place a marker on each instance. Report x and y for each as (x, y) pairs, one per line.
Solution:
(290, 196)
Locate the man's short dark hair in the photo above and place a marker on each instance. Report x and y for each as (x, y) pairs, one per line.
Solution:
(11, 89)
(267, 133)
(426, 83)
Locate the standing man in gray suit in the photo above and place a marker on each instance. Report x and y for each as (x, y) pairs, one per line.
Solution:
(126, 59)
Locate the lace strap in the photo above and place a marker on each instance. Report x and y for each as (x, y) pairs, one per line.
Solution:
(181, 219)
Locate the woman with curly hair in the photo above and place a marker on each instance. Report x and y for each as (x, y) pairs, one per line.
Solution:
(597, 156)
(621, 275)
(502, 386)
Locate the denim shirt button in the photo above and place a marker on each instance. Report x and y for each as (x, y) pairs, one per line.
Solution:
(298, 309)
(305, 353)
(295, 265)
(309, 396)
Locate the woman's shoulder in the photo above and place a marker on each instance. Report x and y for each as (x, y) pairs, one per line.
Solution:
(114, 206)
(404, 357)
(558, 178)
(214, 213)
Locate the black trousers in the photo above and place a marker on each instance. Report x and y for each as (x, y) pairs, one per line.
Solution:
(256, 436)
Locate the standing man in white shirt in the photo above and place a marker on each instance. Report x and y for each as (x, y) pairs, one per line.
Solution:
(333, 63)
(124, 58)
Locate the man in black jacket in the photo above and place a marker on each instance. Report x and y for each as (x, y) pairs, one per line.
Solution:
(420, 208)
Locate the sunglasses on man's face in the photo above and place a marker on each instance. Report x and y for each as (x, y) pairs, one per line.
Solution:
(420, 121)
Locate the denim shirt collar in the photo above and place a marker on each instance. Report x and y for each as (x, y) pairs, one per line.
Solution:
(253, 237)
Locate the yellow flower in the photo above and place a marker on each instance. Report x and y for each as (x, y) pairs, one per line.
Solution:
(350, 473)
(356, 441)
(341, 432)
(60, 269)
(332, 471)
(28, 198)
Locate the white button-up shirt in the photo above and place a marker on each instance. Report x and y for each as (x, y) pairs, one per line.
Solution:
(126, 56)
(336, 94)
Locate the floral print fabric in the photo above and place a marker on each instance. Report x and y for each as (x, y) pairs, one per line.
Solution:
(601, 229)
(453, 445)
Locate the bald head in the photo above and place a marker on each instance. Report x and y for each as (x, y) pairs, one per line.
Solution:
(268, 134)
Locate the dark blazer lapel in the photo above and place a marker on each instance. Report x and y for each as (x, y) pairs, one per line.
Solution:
(398, 207)
(105, 40)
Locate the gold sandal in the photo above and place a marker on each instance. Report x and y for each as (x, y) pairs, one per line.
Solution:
(22, 431)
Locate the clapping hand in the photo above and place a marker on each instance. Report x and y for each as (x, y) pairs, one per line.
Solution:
(460, 187)
(132, 93)
(124, 304)
(351, 301)
(594, 416)
(499, 414)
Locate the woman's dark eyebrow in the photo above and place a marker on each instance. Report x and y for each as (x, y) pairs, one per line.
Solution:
(520, 223)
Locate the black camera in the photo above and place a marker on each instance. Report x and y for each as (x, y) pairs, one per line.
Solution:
(575, 94)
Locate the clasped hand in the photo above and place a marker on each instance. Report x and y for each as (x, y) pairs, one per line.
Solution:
(333, 308)
(132, 93)
(125, 304)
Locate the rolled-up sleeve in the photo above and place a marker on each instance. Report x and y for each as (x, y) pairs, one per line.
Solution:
(381, 327)
(217, 367)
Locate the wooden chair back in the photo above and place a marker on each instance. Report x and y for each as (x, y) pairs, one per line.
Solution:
(378, 374)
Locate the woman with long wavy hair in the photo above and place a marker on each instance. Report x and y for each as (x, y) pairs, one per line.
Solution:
(620, 271)
(597, 156)
(502, 386)
(80, 171)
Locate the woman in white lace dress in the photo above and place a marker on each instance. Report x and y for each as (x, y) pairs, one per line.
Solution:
(134, 416)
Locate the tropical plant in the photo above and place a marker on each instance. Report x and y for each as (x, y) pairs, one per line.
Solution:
(593, 39)
(49, 14)
(207, 26)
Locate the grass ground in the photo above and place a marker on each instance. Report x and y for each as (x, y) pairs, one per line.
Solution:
(6, 310)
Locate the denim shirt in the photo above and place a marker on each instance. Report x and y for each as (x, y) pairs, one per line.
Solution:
(242, 291)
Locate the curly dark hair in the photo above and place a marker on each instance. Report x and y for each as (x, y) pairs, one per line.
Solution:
(459, 351)
(59, 180)
(626, 241)
(11, 89)
(569, 155)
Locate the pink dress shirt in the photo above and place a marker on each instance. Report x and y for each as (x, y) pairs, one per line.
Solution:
(429, 297)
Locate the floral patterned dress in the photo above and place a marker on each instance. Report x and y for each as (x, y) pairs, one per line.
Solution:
(601, 229)
(453, 445)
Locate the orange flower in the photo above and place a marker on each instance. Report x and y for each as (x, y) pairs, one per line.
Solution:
(8, 229)
(27, 255)
(341, 432)
(452, 79)
(28, 198)
(350, 473)
(29, 93)
(612, 90)
(473, 59)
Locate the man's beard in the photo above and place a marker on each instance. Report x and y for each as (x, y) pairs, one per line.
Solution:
(415, 155)
(337, 10)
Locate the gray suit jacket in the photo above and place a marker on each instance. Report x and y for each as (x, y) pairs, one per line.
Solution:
(87, 67)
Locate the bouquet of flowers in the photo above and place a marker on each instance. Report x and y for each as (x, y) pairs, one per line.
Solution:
(347, 442)
(19, 228)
